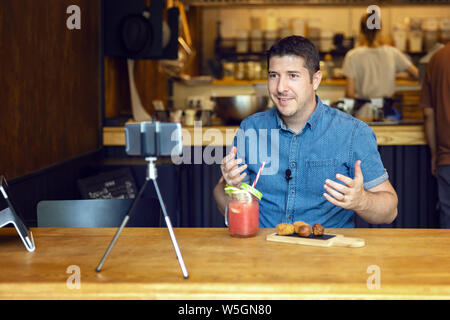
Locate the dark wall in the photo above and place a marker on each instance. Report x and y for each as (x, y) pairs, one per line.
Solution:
(58, 182)
(49, 84)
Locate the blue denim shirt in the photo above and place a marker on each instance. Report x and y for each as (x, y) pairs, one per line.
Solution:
(330, 143)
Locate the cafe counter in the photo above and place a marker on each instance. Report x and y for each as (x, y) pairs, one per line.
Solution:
(393, 264)
(388, 134)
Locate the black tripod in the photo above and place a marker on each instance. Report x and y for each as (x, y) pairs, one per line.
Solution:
(151, 175)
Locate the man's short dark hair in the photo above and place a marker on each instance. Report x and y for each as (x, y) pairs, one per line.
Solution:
(297, 46)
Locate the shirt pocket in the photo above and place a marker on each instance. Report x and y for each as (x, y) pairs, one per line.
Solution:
(317, 171)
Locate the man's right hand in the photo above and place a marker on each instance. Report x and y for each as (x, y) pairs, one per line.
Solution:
(231, 172)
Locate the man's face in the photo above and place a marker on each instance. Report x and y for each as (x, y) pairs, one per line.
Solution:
(290, 85)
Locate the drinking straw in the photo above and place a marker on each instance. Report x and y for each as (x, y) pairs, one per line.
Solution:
(259, 173)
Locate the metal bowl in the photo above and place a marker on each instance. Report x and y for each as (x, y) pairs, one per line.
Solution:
(232, 110)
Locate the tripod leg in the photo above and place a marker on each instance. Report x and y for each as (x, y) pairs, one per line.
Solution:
(171, 233)
(124, 223)
(113, 242)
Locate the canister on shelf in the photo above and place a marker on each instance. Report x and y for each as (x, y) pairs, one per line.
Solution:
(256, 37)
(298, 27)
(189, 117)
(258, 71)
(176, 115)
(270, 36)
(415, 41)
(445, 30)
(242, 41)
(239, 71)
(207, 110)
(326, 40)
(250, 68)
(228, 70)
(430, 27)
(400, 36)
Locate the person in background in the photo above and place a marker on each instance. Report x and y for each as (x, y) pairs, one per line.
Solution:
(371, 68)
(435, 101)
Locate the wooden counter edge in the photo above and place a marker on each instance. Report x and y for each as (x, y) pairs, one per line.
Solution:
(100, 286)
(387, 135)
(188, 290)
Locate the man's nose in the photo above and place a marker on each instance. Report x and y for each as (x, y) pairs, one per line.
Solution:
(282, 85)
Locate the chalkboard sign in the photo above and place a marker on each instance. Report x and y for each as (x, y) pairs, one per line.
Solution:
(117, 184)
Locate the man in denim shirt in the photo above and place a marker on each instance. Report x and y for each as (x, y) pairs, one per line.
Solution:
(322, 164)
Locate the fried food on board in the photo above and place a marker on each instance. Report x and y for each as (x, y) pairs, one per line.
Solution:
(301, 228)
(298, 224)
(318, 229)
(284, 229)
(304, 231)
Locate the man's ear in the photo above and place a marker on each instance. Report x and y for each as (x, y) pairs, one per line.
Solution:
(317, 77)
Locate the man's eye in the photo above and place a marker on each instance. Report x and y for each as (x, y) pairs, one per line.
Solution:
(272, 75)
(294, 75)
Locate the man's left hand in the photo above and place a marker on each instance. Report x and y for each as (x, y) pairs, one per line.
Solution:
(351, 195)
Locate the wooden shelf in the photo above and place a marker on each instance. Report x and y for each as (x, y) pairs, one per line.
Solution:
(387, 135)
(332, 82)
(192, 136)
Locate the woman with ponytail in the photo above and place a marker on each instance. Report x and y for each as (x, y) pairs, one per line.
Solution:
(371, 68)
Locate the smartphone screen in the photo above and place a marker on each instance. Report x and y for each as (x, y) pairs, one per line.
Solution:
(154, 139)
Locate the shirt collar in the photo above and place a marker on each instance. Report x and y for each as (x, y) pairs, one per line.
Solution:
(312, 121)
(315, 117)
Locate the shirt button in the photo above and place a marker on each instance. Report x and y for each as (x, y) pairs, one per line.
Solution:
(292, 191)
(293, 164)
(290, 217)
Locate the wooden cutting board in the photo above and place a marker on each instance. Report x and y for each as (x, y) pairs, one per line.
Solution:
(326, 240)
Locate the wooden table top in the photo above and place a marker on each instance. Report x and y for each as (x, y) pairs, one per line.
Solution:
(409, 263)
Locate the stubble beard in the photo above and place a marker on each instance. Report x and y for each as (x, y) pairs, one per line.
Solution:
(300, 111)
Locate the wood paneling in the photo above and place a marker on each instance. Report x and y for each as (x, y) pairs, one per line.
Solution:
(150, 83)
(408, 104)
(117, 90)
(49, 84)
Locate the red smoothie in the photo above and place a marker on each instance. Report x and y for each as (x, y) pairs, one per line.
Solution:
(243, 218)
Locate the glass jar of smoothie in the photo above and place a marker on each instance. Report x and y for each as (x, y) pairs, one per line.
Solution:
(242, 216)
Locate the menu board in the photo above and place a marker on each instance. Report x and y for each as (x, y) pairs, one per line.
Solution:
(116, 184)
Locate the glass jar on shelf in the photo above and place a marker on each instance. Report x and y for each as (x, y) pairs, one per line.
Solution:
(270, 37)
(239, 70)
(228, 70)
(258, 69)
(256, 44)
(242, 41)
(250, 68)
